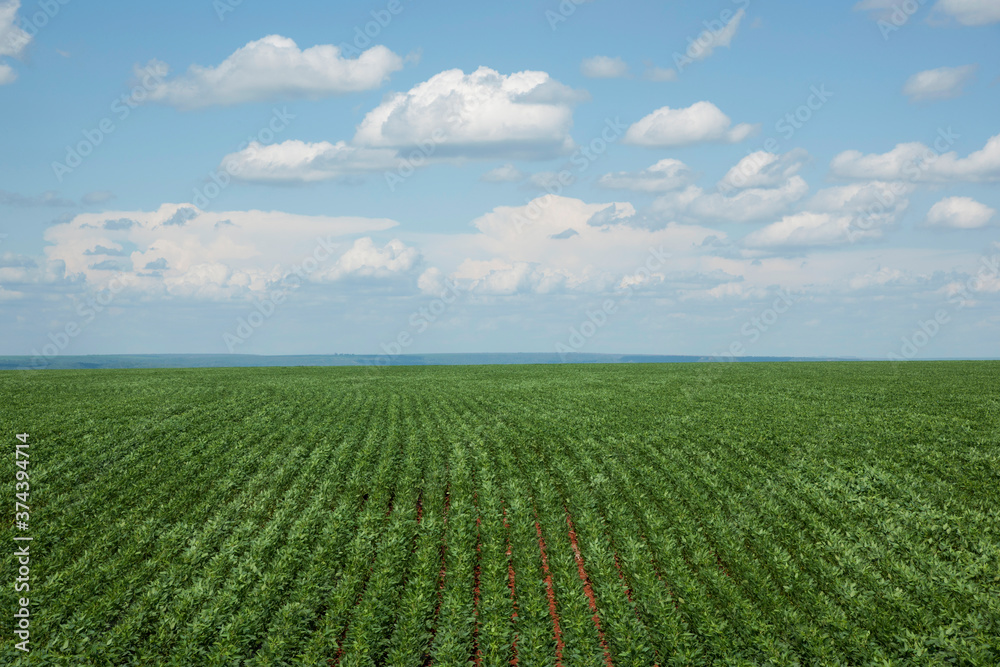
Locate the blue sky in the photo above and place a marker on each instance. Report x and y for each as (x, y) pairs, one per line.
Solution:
(713, 178)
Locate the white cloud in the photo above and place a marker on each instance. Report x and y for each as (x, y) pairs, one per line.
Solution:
(13, 39)
(366, 260)
(525, 115)
(763, 170)
(507, 173)
(300, 162)
(960, 213)
(701, 122)
(660, 74)
(970, 12)
(603, 67)
(7, 74)
(745, 206)
(918, 163)
(179, 250)
(709, 40)
(275, 67)
(938, 84)
(837, 216)
(666, 175)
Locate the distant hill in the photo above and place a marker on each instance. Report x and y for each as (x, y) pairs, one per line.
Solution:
(249, 360)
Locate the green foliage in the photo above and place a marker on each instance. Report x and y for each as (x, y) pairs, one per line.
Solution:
(701, 514)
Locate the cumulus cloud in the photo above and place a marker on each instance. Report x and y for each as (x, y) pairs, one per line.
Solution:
(525, 115)
(918, 163)
(666, 175)
(274, 67)
(603, 67)
(364, 259)
(507, 173)
(763, 170)
(211, 255)
(938, 84)
(960, 213)
(301, 162)
(554, 244)
(837, 216)
(701, 122)
(969, 12)
(745, 205)
(13, 39)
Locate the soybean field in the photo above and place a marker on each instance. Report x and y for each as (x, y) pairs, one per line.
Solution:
(573, 515)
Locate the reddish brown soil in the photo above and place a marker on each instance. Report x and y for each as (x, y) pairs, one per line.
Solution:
(587, 588)
(551, 593)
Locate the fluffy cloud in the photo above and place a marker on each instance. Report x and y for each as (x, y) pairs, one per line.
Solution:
(603, 67)
(837, 216)
(366, 260)
(666, 175)
(918, 163)
(960, 213)
(181, 251)
(970, 12)
(525, 115)
(275, 67)
(763, 170)
(300, 162)
(13, 39)
(938, 84)
(507, 173)
(700, 122)
(555, 244)
(744, 206)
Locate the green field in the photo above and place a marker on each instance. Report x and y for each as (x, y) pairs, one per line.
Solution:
(809, 513)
